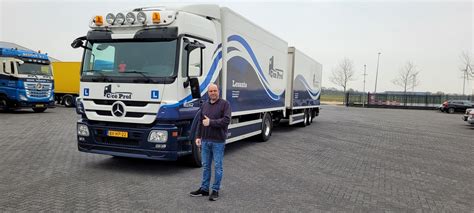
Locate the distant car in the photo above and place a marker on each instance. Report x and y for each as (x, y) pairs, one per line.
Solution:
(469, 116)
(452, 106)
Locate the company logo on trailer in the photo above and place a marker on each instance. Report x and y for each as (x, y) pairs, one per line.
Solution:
(274, 73)
(315, 82)
(116, 95)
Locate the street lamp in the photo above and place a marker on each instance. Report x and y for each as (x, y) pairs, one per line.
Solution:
(377, 72)
(363, 95)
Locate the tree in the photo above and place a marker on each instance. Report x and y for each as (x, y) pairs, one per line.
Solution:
(466, 68)
(407, 77)
(343, 73)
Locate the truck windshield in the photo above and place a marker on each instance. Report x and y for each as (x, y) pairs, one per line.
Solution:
(34, 69)
(130, 60)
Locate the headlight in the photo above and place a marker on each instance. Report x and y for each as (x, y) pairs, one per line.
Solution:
(23, 98)
(79, 106)
(120, 18)
(110, 18)
(130, 18)
(141, 17)
(82, 130)
(158, 136)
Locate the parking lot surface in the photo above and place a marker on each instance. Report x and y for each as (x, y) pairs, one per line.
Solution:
(349, 159)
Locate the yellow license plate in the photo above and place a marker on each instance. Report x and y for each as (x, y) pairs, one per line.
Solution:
(118, 134)
(39, 105)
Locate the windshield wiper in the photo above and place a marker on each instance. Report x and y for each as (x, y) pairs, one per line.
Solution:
(148, 79)
(104, 77)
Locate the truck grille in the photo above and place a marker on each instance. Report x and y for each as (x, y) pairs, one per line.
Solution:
(38, 90)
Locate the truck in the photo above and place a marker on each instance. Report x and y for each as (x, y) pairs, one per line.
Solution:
(66, 82)
(26, 80)
(145, 73)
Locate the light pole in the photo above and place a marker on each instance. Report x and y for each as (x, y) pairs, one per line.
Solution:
(363, 100)
(377, 72)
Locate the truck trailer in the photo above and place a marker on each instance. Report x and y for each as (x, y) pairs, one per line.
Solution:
(66, 82)
(26, 80)
(145, 73)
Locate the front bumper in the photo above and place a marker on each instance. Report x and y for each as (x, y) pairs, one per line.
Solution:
(470, 120)
(136, 145)
(26, 104)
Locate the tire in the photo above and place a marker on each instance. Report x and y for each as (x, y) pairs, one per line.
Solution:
(305, 119)
(309, 117)
(3, 103)
(451, 110)
(39, 109)
(68, 101)
(267, 127)
(194, 160)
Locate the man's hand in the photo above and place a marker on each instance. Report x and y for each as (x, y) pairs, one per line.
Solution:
(198, 142)
(206, 121)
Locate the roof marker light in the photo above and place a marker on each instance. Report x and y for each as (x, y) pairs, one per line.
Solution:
(156, 17)
(98, 20)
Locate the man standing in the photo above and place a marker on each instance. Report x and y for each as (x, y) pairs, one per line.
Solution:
(210, 136)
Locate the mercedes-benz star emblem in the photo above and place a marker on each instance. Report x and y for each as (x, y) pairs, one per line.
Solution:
(118, 109)
(39, 86)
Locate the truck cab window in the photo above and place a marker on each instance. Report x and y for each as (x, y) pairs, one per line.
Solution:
(195, 60)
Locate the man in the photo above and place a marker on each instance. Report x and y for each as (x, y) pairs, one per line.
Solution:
(210, 136)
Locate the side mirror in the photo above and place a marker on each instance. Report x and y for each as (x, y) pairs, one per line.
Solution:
(79, 42)
(195, 91)
(194, 50)
(20, 62)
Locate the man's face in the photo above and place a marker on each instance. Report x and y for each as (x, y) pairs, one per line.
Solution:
(213, 93)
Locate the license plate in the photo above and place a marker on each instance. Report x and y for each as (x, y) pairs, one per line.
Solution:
(39, 105)
(118, 134)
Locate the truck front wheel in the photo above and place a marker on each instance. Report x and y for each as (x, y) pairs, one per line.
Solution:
(194, 159)
(3, 103)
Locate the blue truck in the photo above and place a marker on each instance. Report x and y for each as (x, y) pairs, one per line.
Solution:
(26, 80)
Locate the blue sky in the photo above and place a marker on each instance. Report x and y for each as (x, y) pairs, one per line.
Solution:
(431, 34)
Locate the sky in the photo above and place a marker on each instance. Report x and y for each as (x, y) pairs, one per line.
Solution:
(431, 34)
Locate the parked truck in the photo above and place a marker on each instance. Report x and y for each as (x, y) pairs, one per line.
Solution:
(25, 80)
(66, 82)
(145, 73)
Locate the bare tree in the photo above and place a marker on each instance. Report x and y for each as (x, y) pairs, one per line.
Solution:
(466, 68)
(343, 73)
(407, 77)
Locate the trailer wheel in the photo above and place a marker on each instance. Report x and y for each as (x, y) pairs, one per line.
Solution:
(266, 127)
(309, 113)
(305, 119)
(311, 116)
(68, 101)
(39, 109)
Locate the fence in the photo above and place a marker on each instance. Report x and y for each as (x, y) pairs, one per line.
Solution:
(401, 100)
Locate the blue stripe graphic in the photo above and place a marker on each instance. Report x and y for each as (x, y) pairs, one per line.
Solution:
(308, 88)
(266, 86)
(250, 51)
